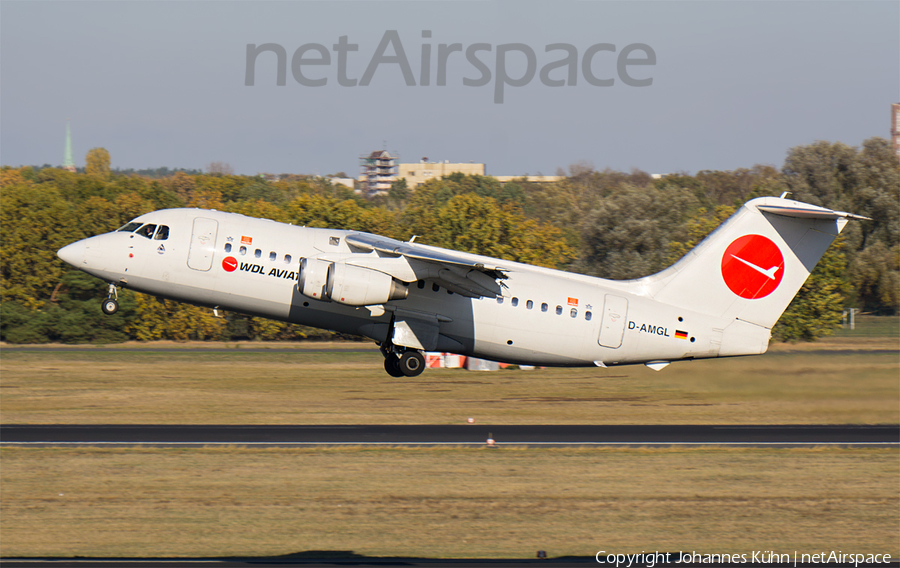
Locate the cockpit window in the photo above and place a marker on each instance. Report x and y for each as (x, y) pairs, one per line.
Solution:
(162, 233)
(146, 231)
(130, 227)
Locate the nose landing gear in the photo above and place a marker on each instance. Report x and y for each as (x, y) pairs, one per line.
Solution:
(402, 362)
(111, 305)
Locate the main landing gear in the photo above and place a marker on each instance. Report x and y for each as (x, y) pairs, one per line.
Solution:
(401, 361)
(111, 305)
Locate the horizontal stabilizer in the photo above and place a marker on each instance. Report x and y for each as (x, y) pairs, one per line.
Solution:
(806, 211)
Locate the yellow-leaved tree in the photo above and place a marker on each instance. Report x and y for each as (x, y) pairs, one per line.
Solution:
(97, 163)
(173, 320)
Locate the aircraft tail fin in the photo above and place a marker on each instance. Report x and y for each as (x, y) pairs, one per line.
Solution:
(752, 266)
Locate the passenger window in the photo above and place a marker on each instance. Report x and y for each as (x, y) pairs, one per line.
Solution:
(573, 312)
(243, 250)
(587, 316)
(420, 284)
(227, 247)
(272, 256)
(435, 287)
(529, 304)
(544, 307)
(147, 231)
(500, 299)
(257, 253)
(162, 233)
(130, 227)
(287, 259)
(515, 302)
(559, 310)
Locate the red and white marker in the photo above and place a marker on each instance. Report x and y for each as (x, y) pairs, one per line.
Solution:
(752, 266)
(471, 421)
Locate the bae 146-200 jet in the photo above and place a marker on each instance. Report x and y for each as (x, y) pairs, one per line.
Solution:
(719, 300)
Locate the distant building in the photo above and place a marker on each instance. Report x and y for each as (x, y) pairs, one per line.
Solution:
(346, 182)
(422, 171)
(377, 172)
(895, 128)
(68, 161)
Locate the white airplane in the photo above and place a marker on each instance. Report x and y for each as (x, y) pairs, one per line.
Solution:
(720, 300)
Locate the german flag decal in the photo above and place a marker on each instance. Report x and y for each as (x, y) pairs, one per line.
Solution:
(680, 334)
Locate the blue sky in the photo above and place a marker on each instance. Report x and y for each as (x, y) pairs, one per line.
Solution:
(735, 83)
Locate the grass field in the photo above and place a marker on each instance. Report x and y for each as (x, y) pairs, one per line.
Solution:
(839, 381)
(871, 327)
(446, 502)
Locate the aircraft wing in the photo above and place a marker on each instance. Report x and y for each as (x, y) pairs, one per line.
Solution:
(456, 272)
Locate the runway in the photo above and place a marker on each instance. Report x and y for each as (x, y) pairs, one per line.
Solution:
(450, 435)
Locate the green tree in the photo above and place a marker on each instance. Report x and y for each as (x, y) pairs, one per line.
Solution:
(875, 275)
(35, 222)
(817, 308)
(821, 173)
(695, 230)
(627, 234)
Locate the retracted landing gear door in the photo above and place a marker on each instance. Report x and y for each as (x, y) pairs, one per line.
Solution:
(613, 325)
(203, 243)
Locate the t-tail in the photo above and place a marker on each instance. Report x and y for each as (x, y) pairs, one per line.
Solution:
(749, 269)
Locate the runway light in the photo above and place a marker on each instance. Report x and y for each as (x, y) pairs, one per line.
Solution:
(542, 554)
(471, 421)
(490, 440)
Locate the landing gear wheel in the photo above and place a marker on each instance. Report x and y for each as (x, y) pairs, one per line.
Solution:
(412, 363)
(392, 366)
(109, 306)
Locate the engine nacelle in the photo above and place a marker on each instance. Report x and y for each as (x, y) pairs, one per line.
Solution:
(357, 286)
(313, 278)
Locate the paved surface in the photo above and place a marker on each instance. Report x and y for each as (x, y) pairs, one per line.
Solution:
(474, 434)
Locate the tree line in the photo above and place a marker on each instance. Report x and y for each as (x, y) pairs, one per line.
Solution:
(604, 223)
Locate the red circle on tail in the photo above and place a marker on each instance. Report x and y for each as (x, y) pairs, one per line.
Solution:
(229, 264)
(752, 266)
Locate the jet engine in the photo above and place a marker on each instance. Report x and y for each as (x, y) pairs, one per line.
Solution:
(347, 284)
(313, 277)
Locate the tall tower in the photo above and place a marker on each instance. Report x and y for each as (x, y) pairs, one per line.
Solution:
(68, 161)
(378, 171)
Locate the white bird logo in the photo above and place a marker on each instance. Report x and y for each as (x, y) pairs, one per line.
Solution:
(770, 272)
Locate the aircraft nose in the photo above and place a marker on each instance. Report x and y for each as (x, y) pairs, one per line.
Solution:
(73, 253)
